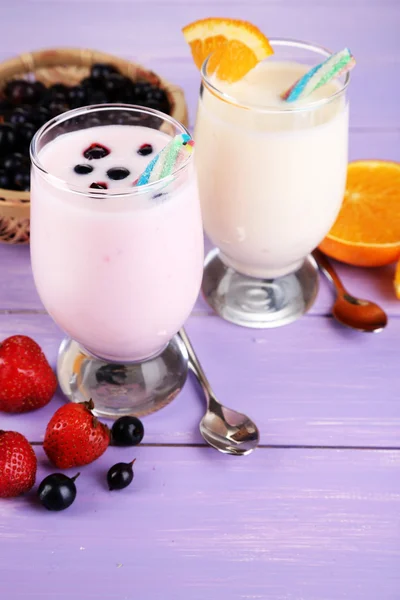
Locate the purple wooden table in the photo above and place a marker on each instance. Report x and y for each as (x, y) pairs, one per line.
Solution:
(314, 513)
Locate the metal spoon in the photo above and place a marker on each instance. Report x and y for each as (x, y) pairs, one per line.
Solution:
(222, 428)
(348, 310)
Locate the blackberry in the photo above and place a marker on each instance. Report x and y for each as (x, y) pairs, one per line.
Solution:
(20, 115)
(101, 70)
(22, 180)
(20, 91)
(8, 138)
(13, 163)
(77, 96)
(6, 181)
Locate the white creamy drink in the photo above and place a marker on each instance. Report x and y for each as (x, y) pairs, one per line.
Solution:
(271, 174)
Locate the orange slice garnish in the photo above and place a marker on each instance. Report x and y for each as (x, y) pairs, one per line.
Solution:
(234, 46)
(367, 230)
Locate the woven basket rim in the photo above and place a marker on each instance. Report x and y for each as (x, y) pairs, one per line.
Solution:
(29, 62)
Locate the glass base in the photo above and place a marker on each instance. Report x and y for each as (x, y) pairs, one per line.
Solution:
(258, 303)
(116, 389)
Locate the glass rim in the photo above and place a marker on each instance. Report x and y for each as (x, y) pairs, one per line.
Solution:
(276, 110)
(115, 193)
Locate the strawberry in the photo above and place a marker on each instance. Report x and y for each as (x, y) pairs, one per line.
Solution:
(17, 464)
(74, 437)
(26, 378)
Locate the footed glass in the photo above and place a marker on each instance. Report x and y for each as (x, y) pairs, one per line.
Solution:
(271, 179)
(118, 267)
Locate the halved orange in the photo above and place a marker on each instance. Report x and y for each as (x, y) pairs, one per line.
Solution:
(367, 230)
(235, 46)
(397, 280)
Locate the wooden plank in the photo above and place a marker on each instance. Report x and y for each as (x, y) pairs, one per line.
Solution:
(214, 4)
(279, 524)
(312, 383)
(284, 523)
(17, 289)
(89, 27)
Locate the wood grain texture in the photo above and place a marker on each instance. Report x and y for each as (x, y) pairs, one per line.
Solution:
(18, 293)
(299, 523)
(374, 104)
(222, 4)
(313, 383)
(280, 524)
(90, 26)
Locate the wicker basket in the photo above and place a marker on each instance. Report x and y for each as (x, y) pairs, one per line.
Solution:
(68, 66)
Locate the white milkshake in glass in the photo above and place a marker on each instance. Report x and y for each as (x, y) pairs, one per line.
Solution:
(272, 176)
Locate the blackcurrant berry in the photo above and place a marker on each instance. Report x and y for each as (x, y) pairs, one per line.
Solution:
(83, 169)
(120, 476)
(145, 149)
(98, 185)
(96, 151)
(127, 431)
(57, 491)
(118, 173)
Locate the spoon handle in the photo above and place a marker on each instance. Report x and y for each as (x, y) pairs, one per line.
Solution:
(329, 271)
(195, 364)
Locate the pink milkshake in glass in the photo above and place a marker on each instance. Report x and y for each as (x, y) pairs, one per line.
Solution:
(117, 266)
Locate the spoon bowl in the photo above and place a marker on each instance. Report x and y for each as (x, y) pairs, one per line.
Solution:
(227, 430)
(350, 311)
(362, 315)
